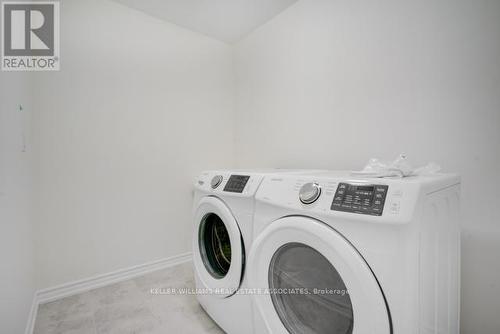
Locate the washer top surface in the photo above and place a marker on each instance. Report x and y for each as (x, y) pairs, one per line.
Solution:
(346, 174)
(268, 171)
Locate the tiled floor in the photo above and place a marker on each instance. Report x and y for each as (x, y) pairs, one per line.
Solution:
(130, 307)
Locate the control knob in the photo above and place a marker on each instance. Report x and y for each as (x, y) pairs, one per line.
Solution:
(216, 181)
(309, 192)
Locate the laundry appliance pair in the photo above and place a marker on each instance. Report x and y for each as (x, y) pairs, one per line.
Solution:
(289, 252)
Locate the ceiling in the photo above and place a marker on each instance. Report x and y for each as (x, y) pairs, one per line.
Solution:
(226, 20)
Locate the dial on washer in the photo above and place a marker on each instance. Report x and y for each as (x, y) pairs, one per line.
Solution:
(309, 192)
(216, 181)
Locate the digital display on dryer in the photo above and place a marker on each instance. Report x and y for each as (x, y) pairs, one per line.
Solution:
(364, 199)
(364, 188)
(359, 195)
(236, 183)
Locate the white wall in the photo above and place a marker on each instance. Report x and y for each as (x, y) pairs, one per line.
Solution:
(329, 84)
(17, 284)
(139, 107)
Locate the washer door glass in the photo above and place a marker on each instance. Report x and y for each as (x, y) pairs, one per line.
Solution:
(308, 293)
(215, 245)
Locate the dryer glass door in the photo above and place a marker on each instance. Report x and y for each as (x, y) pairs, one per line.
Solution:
(215, 245)
(218, 250)
(310, 289)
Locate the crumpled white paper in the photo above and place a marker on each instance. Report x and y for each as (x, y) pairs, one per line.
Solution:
(400, 167)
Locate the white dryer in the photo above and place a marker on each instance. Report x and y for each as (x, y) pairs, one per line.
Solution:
(337, 254)
(223, 226)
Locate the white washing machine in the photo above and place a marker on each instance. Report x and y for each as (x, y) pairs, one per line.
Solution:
(223, 226)
(337, 254)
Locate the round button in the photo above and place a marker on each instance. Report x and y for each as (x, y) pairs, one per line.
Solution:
(309, 192)
(216, 181)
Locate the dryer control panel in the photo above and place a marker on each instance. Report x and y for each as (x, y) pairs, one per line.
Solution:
(225, 183)
(360, 198)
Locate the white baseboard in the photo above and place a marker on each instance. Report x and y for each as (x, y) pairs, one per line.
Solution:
(69, 289)
(30, 326)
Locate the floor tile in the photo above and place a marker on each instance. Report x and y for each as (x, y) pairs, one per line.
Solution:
(74, 325)
(126, 318)
(130, 307)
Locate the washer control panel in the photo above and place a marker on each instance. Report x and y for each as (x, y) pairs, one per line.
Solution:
(236, 183)
(360, 198)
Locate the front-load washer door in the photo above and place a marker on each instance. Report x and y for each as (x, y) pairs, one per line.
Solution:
(312, 280)
(218, 251)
